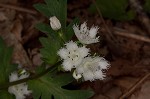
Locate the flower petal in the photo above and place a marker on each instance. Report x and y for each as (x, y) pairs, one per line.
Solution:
(83, 51)
(71, 46)
(63, 53)
(67, 65)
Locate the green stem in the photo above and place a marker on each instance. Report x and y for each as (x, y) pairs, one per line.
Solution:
(50, 69)
(61, 35)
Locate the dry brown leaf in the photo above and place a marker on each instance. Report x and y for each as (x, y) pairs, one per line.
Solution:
(2, 16)
(10, 34)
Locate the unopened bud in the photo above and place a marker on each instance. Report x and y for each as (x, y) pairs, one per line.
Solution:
(55, 23)
(76, 76)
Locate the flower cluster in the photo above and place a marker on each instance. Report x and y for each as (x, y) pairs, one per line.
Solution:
(78, 57)
(19, 90)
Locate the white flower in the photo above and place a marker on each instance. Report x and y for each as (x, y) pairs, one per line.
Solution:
(86, 35)
(19, 90)
(72, 55)
(55, 23)
(92, 68)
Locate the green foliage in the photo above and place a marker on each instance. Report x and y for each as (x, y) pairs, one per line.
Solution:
(147, 6)
(5, 68)
(46, 29)
(56, 8)
(43, 9)
(6, 95)
(115, 9)
(69, 30)
(49, 50)
(47, 87)
(51, 44)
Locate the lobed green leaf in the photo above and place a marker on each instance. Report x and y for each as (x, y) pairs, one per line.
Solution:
(49, 50)
(5, 95)
(43, 9)
(46, 87)
(5, 68)
(5, 62)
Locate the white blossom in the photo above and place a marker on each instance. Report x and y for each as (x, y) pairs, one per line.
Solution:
(19, 90)
(55, 23)
(86, 35)
(72, 55)
(92, 68)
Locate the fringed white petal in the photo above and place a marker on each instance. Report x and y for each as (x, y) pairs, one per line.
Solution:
(83, 51)
(72, 55)
(67, 65)
(91, 68)
(63, 53)
(85, 35)
(19, 90)
(93, 31)
(71, 46)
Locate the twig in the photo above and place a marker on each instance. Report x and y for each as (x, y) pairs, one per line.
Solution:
(129, 92)
(131, 35)
(18, 8)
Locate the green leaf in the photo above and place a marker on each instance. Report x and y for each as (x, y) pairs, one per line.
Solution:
(45, 28)
(50, 45)
(5, 62)
(5, 95)
(47, 86)
(115, 9)
(58, 8)
(147, 6)
(49, 50)
(43, 9)
(5, 68)
(69, 30)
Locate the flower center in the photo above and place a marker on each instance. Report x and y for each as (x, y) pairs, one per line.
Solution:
(73, 55)
(89, 66)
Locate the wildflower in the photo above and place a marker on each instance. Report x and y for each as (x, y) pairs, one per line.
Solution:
(86, 35)
(72, 55)
(92, 68)
(19, 90)
(55, 23)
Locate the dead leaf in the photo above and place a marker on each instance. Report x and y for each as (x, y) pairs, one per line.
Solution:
(2, 16)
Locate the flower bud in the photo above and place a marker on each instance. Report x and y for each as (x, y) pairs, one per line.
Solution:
(55, 23)
(76, 76)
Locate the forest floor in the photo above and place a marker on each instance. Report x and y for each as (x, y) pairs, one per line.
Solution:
(125, 44)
